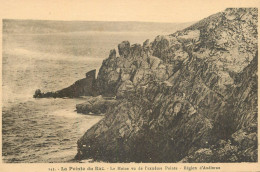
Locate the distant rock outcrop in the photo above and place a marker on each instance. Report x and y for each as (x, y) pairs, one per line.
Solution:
(83, 87)
(187, 97)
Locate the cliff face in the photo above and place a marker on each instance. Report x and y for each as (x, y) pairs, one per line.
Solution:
(189, 97)
(134, 66)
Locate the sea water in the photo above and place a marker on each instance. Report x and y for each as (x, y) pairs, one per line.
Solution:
(47, 130)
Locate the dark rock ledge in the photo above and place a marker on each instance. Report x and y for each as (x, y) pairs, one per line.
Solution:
(82, 87)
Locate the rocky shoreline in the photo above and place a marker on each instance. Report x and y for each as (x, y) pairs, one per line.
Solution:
(82, 87)
(186, 97)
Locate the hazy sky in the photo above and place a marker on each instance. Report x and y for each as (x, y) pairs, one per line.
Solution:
(117, 10)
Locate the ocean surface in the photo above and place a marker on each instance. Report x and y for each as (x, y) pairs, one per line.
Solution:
(47, 130)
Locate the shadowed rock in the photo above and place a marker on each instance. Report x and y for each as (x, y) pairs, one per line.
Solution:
(82, 87)
(124, 48)
(136, 50)
(146, 43)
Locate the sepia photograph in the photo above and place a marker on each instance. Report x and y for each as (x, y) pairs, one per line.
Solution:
(174, 86)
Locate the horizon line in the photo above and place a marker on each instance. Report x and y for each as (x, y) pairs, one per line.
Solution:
(50, 20)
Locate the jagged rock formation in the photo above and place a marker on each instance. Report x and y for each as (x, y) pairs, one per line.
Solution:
(186, 97)
(134, 66)
(82, 87)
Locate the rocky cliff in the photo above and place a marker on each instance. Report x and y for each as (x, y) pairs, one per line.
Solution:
(82, 87)
(186, 97)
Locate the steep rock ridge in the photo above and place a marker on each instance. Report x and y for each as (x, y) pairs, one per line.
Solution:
(190, 96)
(134, 66)
(240, 119)
(82, 87)
(218, 40)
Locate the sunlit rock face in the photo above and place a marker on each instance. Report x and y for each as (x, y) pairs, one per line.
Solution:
(186, 97)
